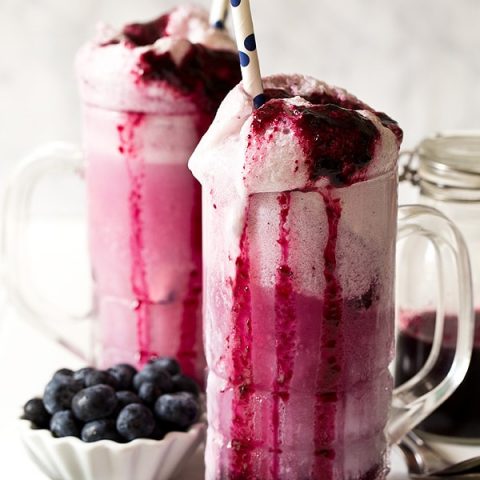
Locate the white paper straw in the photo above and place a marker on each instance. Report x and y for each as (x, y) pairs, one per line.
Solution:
(218, 13)
(247, 50)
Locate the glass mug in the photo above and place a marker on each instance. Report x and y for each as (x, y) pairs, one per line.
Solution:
(289, 391)
(145, 107)
(144, 223)
(445, 171)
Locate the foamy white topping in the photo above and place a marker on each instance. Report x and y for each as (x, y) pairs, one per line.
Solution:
(280, 164)
(192, 23)
(109, 74)
(231, 163)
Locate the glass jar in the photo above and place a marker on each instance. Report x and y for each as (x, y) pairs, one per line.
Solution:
(445, 169)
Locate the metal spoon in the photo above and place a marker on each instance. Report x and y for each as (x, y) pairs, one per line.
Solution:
(420, 458)
(424, 463)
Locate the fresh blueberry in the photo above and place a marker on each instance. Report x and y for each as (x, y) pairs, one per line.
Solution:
(137, 381)
(63, 372)
(126, 397)
(34, 410)
(100, 377)
(123, 373)
(180, 410)
(82, 373)
(100, 430)
(135, 421)
(183, 383)
(94, 403)
(149, 392)
(63, 424)
(154, 374)
(59, 393)
(166, 363)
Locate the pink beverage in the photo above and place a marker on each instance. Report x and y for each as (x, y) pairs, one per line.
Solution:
(299, 202)
(150, 91)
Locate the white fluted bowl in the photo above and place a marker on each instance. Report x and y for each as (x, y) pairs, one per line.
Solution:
(69, 458)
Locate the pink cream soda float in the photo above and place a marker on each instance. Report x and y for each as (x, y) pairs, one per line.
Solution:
(299, 204)
(150, 91)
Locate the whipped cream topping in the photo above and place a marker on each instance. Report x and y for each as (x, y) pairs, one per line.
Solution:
(262, 151)
(111, 68)
(192, 23)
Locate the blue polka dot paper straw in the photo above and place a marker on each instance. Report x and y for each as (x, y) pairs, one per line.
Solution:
(218, 13)
(247, 50)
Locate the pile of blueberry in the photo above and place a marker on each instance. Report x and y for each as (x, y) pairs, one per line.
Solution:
(119, 404)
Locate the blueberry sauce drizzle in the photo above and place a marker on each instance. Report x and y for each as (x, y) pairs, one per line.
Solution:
(242, 379)
(348, 103)
(204, 75)
(332, 152)
(141, 34)
(285, 330)
(331, 346)
(136, 171)
(338, 143)
(187, 353)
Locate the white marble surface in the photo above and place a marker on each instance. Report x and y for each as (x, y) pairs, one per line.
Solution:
(418, 61)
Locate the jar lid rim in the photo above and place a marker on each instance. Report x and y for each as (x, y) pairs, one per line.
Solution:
(449, 163)
(459, 152)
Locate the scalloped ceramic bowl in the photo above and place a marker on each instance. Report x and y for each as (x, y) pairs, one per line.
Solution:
(69, 458)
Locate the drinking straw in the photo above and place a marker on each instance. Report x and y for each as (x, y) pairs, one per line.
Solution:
(247, 51)
(218, 13)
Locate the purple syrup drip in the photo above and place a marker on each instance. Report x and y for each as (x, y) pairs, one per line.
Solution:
(391, 124)
(187, 353)
(331, 346)
(204, 75)
(317, 98)
(242, 380)
(285, 330)
(141, 34)
(135, 167)
(347, 103)
(338, 143)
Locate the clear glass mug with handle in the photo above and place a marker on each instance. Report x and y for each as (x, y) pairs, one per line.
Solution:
(144, 110)
(144, 214)
(443, 172)
(299, 304)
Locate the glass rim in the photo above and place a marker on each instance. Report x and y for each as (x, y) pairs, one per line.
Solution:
(187, 112)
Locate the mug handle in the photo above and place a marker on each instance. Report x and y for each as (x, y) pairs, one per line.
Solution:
(416, 399)
(44, 315)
